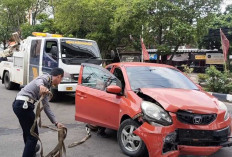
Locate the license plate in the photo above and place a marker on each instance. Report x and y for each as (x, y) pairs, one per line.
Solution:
(69, 88)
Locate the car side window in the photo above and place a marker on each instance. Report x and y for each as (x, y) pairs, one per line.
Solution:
(97, 78)
(118, 73)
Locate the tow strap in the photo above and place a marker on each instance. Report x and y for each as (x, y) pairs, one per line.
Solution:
(62, 133)
(84, 139)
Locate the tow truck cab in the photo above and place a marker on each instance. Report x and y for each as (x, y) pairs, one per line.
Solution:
(38, 55)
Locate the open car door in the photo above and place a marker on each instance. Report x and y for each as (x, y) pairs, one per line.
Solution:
(94, 104)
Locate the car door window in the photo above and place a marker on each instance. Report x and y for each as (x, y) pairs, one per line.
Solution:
(98, 78)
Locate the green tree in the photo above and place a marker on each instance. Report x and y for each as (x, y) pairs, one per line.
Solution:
(4, 27)
(212, 39)
(168, 24)
(178, 22)
(45, 25)
(12, 15)
(86, 19)
(38, 7)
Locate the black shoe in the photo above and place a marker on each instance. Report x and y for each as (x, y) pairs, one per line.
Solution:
(37, 148)
(101, 132)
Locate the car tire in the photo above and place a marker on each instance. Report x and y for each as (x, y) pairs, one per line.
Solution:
(130, 144)
(8, 84)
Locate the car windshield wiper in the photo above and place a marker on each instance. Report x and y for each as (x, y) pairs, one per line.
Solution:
(75, 57)
(79, 57)
(93, 57)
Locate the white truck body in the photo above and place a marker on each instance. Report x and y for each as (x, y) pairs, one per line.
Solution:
(37, 56)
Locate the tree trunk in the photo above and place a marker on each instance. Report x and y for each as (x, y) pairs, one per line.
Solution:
(159, 41)
(157, 61)
(173, 53)
(4, 44)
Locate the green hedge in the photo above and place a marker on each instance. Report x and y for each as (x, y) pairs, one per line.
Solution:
(216, 81)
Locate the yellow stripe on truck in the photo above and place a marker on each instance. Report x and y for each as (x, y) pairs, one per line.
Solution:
(35, 72)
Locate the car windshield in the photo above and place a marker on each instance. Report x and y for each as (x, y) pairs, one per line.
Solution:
(157, 77)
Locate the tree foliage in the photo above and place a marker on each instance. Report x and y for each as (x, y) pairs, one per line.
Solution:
(212, 39)
(167, 24)
(37, 7)
(12, 15)
(86, 19)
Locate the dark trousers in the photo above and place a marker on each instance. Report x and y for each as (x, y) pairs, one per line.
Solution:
(26, 119)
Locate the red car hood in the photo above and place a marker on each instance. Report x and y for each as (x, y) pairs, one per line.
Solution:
(173, 100)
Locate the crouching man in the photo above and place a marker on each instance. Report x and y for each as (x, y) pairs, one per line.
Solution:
(23, 107)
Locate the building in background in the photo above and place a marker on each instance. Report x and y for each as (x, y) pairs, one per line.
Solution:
(198, 59)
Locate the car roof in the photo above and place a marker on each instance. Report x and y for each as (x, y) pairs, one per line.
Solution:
(131, 64)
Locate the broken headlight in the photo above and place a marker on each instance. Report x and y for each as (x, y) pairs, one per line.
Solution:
(222, 106)
(154, 113)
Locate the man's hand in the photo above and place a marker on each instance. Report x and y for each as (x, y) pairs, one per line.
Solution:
(60, 125)
(43, 90)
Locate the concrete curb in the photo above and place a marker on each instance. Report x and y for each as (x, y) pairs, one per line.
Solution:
(222, 97)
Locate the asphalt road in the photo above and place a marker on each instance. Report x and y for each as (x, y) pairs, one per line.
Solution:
(11, 140)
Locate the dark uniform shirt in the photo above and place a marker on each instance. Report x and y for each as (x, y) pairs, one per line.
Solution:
(32, 90)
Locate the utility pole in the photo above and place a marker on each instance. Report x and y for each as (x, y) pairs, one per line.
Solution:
(141, 45)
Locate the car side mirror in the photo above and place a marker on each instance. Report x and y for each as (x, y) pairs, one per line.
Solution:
(199, 87)
(113, 89)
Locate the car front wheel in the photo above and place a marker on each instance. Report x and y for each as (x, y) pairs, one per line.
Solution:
(130, 144)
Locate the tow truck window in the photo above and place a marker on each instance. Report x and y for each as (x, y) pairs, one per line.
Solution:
(35, 52)
(50, 55)
(51, 49)
(34, 59)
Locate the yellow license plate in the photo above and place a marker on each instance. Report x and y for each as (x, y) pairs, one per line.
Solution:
(69, 88)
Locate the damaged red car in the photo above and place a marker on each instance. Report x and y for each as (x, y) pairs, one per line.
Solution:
(155, 108)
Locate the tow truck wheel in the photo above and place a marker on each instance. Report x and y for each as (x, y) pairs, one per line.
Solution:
(130, 144)
(8, 84)
(16, 86)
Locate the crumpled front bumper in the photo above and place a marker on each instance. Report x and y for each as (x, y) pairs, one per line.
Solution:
(157, 138)
(154, 137)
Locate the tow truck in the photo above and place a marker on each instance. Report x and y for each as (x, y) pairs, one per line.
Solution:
(39, 54)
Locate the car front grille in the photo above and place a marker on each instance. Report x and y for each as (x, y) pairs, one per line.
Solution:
(202, 137)
(195, 119)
